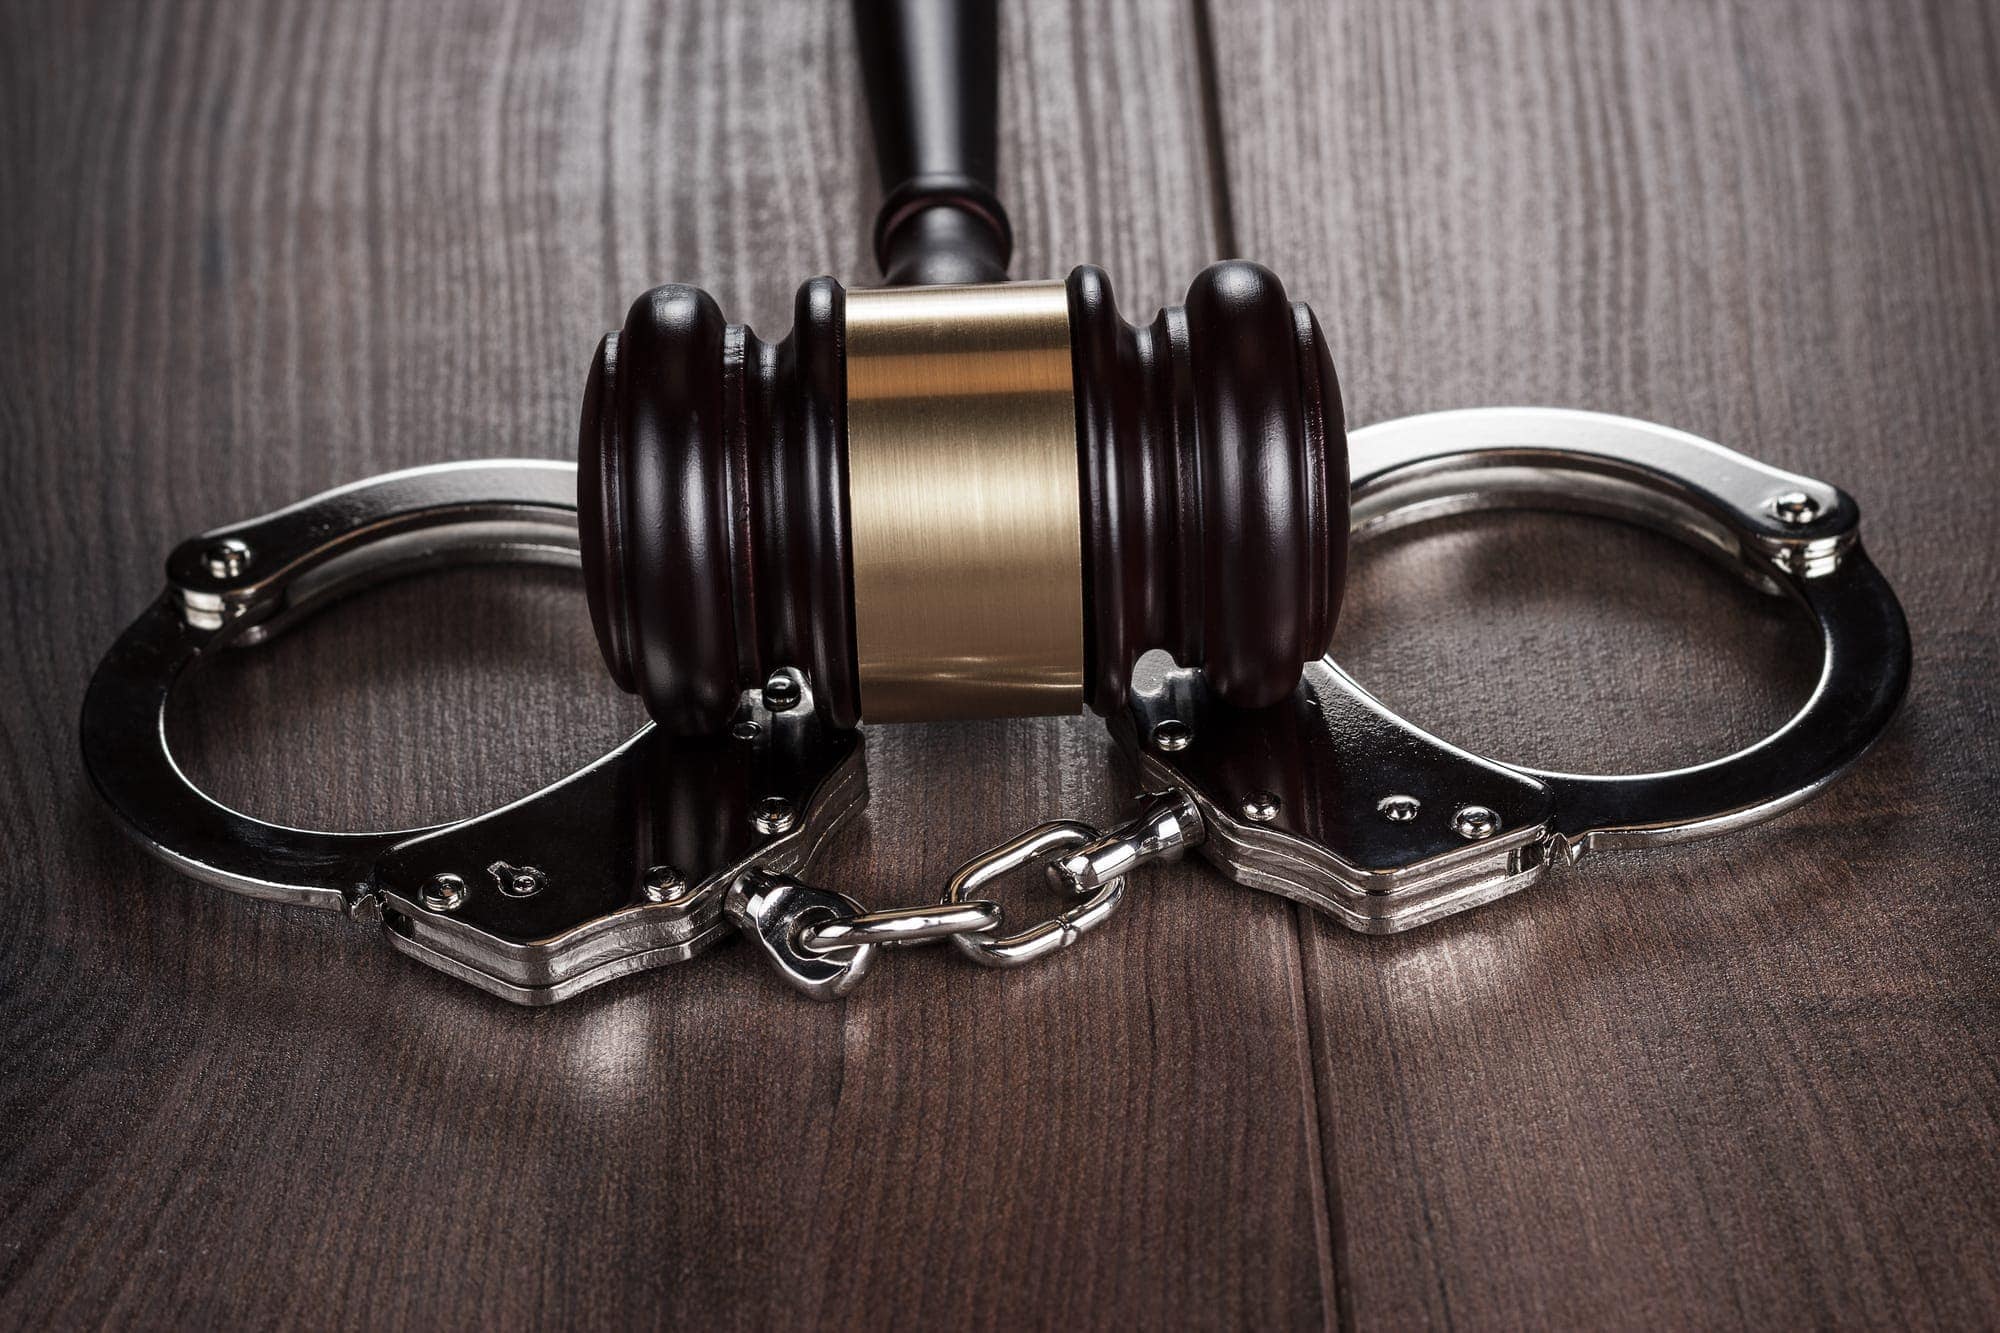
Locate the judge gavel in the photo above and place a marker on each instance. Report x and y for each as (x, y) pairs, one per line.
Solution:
(956, 496)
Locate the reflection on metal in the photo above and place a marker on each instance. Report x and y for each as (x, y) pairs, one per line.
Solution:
(963, 502)
(1461, 830)
(663, 846)
(548, 896)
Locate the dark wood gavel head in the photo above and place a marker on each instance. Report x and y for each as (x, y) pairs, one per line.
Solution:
(963, 501)
(957, 496)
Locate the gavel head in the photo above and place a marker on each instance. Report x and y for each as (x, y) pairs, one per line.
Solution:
(953, 502)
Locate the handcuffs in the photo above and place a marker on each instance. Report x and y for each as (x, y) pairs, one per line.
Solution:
(667, 845)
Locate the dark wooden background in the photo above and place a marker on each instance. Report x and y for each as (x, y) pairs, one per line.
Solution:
(252, 249)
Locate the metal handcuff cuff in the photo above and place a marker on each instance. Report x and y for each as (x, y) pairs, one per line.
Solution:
(667, 844)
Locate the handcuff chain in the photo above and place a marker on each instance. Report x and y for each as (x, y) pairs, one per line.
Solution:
(824, 942)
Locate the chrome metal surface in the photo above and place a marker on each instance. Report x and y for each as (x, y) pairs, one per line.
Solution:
(532, 902)
(921, 924)
(1260, 807)
(444, 893)
(1172, 735)
(1475, 823)
(781, 691)
(307, 553)
(1045, 937)
(226, 559)
(773, 815)
(775, 911)
(1327, 754)
(1167, 825)
(1399, 809)
(1424, 467)
(664, 884)
(796, 923)
(1794, 508)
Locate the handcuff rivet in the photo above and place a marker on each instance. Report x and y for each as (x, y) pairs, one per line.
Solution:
(773, 814)
(781, 692)
(1260, 807)
(445, 893)
(1172, 735)
(226, 559)
(746, 731)
(1399, 809)
(663, 884)
(1794, 509)
(1475, 822)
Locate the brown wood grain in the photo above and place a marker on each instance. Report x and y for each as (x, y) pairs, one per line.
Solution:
(256, 249)
(1746, 1082)
(251, 249)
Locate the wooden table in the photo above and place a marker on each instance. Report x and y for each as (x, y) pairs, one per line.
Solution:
(250, 250)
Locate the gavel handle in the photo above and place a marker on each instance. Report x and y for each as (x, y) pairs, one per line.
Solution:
(931, 68)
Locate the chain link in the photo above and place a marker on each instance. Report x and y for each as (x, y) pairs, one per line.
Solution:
(823, 942)
(1044, 937)
(920, 924)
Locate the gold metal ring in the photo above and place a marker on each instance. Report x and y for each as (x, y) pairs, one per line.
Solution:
(963, 502)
